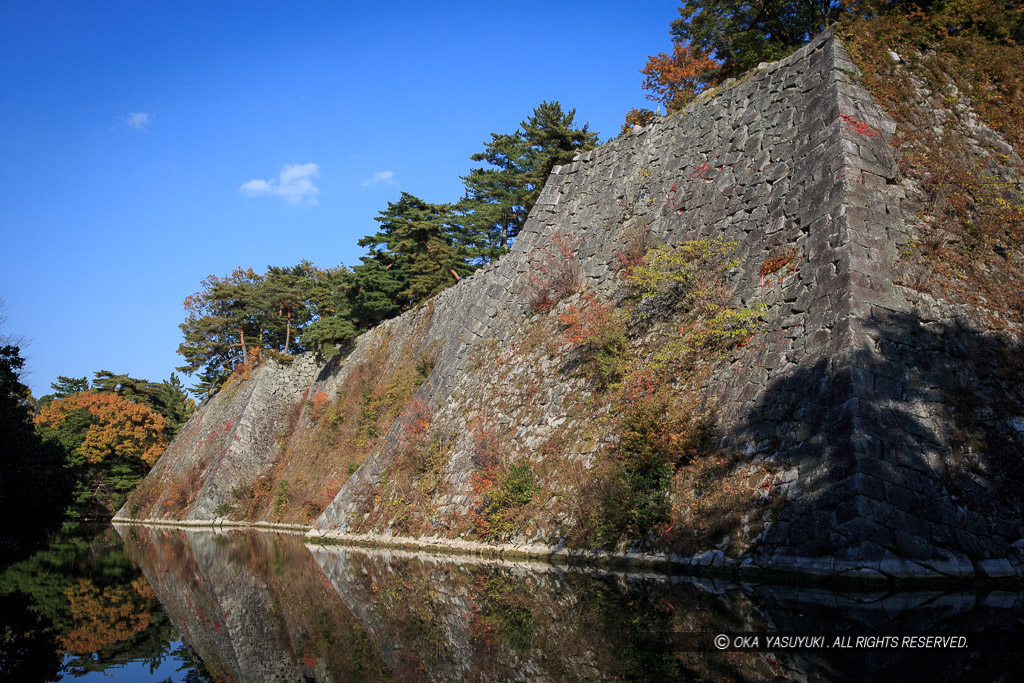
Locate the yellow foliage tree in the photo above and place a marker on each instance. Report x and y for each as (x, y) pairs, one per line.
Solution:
(117, 427)
(637, 117)
(105, 616)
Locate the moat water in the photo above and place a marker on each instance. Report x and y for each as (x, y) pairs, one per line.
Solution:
(161, 604)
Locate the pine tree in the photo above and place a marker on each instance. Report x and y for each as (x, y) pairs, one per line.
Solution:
(223, 320)
(495, 205)
(285, 294)
(417, 252)
(499, 197)
(552, 140)
(62, 388)
(329, 294)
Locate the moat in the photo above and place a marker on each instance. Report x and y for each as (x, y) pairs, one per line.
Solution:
(158, 603)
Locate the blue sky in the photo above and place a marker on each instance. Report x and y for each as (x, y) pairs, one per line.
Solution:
(148, 144)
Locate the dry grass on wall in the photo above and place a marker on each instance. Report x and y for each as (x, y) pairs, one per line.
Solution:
(341, 432)
(947, 93)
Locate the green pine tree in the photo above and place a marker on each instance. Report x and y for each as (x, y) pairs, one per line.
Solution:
(499, 196)
(419, 250)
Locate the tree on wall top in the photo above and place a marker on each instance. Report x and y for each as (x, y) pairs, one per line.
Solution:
(741, 34)
(499, 197)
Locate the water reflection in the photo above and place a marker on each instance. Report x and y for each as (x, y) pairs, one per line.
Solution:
(254, 606)
(259, 606)
(79, 608)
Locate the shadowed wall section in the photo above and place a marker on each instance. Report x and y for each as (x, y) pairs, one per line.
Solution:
(891, 424)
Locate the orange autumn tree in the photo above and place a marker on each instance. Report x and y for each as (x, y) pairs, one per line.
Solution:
(108, 615)
(637, 117)
(674, 80)
(111, 441)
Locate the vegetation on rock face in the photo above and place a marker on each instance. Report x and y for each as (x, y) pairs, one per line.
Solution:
(555, 273)
(680, 323)
(321, 451)
(952, 77)
(501, 493)
(596, 331)
(635, 367)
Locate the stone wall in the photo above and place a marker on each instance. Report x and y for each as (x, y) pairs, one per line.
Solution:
(761, 162)
(253, 606)
(892, 424)
(233, 437)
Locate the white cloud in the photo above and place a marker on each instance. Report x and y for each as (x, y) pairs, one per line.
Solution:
(138, 120)
(293, 184)
(386, 177)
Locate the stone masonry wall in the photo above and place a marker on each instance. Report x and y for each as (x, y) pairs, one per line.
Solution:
(847, 393)
(232, 437)
(892, 423)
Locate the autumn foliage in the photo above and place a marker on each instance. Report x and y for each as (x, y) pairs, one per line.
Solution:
(105, 616)
(673, 80)
(556, 272)
(117, 427)
(597, 334)
(637, 117)
(110, 442)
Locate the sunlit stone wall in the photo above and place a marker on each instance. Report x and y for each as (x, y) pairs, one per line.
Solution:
(858, 395)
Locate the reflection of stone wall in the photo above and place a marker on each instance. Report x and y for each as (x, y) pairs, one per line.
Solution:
(257, 606)
(891, 421)
(446, 621)
(252, 606)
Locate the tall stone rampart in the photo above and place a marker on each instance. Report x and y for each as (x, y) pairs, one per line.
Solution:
(890, 424)
(235, 433)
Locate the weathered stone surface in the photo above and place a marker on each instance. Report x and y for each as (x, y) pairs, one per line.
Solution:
(232, 437)
(859, 393)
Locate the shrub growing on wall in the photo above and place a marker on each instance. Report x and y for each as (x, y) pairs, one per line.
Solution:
(678, 315)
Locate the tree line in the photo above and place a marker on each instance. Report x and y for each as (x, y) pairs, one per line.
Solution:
(714, 40)
(77, 452)
(419, 248)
